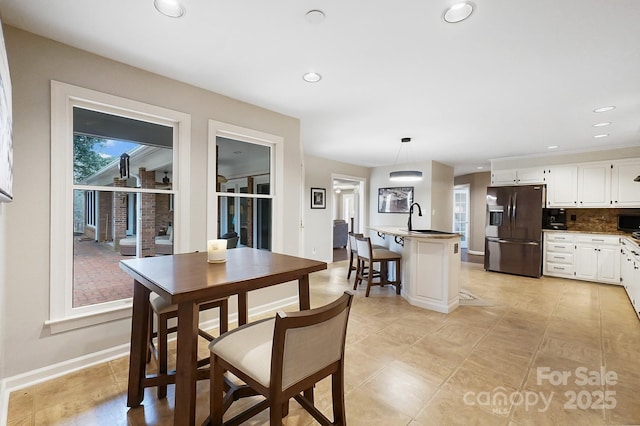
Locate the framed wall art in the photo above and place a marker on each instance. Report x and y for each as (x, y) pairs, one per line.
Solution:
(318, 198)
(6, 122)
(395, 200)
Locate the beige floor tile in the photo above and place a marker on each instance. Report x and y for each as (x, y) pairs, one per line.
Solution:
(410, 366)
(588, 352)
(402, 387)
(558, 412)
(450, 408)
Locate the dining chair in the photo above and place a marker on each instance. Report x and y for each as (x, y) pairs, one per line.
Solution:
(165, 311)
(282, 358)
(368, 256)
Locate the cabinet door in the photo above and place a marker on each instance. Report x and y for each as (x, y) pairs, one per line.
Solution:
(625, 192)
(562, 186)
(609, 264)
(530, 176)
(626, 271)
(594, 185)
(586, 262)
(504, 177)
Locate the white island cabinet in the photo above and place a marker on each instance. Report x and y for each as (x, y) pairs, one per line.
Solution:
(430, 266)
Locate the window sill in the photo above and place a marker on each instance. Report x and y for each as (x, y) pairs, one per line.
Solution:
(88, 319)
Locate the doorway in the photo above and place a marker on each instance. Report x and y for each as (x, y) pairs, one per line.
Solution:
(348, 206)
(461, 213)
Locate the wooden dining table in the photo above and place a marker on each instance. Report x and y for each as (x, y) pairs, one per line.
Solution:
(187, 280)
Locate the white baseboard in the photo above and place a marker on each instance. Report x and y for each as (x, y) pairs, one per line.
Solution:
(50, 372)
(477, 253)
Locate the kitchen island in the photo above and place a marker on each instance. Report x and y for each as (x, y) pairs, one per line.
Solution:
(430, 265)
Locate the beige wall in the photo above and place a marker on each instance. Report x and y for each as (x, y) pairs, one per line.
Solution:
(318, 223)
(441, 197)
(24, 224)
(478, 183)
(434, 194)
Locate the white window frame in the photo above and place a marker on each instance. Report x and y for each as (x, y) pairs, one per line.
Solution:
(91, 206)
(276, 172)
(64, 97)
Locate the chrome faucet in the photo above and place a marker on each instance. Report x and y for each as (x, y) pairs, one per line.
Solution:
(409, 226)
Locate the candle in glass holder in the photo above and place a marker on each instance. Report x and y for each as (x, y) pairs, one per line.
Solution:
(216, 251)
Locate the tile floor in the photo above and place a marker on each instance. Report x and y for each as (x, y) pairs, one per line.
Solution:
(484, 365)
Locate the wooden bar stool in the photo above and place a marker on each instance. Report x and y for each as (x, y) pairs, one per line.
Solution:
(164, 311)
(368, 257)
(352, 248)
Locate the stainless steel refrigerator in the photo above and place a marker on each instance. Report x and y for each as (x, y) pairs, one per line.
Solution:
(513, 236)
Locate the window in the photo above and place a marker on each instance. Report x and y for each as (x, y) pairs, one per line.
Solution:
(117, 169)
(90, 211)
(243, 166)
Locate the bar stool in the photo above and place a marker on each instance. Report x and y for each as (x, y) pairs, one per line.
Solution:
(352, 248)
(368, 257)
(164, 311)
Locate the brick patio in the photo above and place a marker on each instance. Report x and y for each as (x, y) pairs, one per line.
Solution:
(97, 277)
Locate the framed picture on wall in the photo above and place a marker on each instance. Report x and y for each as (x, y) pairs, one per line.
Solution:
(395, 200)
(318, 198)
(6, 146)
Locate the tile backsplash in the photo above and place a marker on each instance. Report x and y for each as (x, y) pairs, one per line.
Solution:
(596, 220)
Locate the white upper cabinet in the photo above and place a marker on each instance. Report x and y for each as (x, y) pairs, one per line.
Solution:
(528, 176)
(562, 186)
(504, 177)
(594, 185)
(625, 192)
(531, 176)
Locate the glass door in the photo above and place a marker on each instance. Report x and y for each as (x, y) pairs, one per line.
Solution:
(461, 213)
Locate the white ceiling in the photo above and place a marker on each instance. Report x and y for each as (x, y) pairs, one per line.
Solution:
(513, 79)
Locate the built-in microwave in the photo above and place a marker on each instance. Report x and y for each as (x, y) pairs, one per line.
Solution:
(554, 219)
(629, 222)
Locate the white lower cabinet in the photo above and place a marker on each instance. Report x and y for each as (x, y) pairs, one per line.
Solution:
(630, 272)
(558, 254)
(598, 258)
(590, 257)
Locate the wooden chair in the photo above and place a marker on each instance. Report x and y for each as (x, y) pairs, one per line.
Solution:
(368, 257)
(164, 311)
(352, 248)
(353, 252)
(282, 358)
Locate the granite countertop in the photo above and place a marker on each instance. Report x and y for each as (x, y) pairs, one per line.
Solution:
(572, 231)
(402, 232)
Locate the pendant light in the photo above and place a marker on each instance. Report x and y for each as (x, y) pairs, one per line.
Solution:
(405, 175)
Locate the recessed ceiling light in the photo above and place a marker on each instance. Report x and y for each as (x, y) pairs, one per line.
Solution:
(170, 8)
(458, 12)
(480, 167)
(604, 135)
(314, 16)
(312, 77)
(604, 109)
(602, 124)
(552, 147)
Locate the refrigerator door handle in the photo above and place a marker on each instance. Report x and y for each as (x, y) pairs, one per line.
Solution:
(509, 213)
(528, 243)
(515, 206)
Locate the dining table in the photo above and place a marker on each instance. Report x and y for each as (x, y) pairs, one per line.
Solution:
(187, 280)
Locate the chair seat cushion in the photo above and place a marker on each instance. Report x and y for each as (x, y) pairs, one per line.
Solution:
(384, 254)
(160, 305)
(248, 348)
